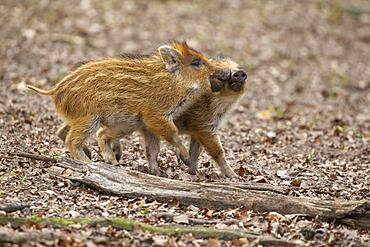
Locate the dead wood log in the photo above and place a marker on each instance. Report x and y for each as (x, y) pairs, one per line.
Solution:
(114, 180)
(357, 220)
(12, 206)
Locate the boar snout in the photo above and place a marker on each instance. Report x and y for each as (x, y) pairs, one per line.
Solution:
(218, 79)
(237, 80)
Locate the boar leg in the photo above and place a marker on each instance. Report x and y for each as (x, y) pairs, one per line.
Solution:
(117, 149)
(75, 139)
(106, 139)
(152, 146)
(163, 127)
(195, 150)
(62, 133)
(212, 145)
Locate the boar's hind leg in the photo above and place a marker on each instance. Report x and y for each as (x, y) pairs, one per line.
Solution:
(106, 140)
(62, 133)
(117, 149)
(163, 127)
(75, 139)
(152, 146)
(213, 147)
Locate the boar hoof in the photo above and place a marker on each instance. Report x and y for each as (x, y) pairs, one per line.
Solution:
(192, 170)
(87, 152)
(117, 151)
(155, 172)
(181, 158)
(114, 162)
(231, 174)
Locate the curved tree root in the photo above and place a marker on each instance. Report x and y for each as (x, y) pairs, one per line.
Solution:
(11, 236)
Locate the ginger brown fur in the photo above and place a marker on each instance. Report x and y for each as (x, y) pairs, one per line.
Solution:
(202, 121)
(121, 95)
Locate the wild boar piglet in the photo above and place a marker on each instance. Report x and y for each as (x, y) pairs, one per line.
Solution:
(121, 95)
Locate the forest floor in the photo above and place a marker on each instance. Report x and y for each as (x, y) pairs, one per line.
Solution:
(304, 122)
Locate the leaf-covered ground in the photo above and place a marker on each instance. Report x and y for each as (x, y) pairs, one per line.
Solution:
(304, 122)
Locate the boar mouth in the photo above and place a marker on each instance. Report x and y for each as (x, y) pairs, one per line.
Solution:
(236, 86)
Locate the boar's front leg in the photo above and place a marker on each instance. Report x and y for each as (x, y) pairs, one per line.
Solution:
(212, 145)
(152, 146)
(163, 127)
(117, 149)
(195, 150)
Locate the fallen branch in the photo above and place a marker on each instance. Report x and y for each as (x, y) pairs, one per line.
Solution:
(117, 181)
(129, 225)
(357, 220)
(14, 237)
(194, 221)
(36, 157)
(12, 206)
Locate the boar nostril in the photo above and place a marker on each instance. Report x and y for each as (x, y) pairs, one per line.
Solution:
(240, 75)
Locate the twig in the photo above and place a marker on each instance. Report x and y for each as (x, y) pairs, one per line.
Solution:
(195, 221)
(36, 157)
(270, 241)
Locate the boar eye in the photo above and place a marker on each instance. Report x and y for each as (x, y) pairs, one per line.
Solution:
(196, 63)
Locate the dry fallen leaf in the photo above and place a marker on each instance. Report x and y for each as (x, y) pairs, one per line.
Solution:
(296, 182)
(67, 172)
(265, 114)
(282, 174)
(212, 242)
(183, 218)
(260, 179)
(274, 216)
(243, 214)
(193, 208)
(240, 242)
(160, 240)
(173, 203)
(209, 213)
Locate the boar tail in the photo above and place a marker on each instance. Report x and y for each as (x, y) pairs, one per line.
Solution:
(40, 91)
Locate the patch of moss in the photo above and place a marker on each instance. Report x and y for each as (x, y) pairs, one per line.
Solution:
(62, 221)
(122, 223)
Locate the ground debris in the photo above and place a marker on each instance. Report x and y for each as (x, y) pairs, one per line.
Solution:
(306, 111)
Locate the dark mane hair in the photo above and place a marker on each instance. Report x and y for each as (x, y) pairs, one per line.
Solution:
(79, 64)
(123, 55)
(134, 55)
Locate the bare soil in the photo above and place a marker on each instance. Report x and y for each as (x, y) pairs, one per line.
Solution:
(304, 122)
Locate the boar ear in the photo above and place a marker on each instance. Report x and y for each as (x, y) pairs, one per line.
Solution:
(221, 56)
(170, 57)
